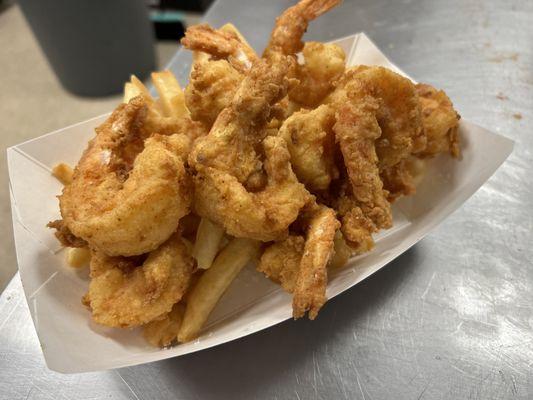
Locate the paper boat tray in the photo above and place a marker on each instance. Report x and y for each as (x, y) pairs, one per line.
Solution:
(71, 342)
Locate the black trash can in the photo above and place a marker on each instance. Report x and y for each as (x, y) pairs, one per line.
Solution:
(93, 45)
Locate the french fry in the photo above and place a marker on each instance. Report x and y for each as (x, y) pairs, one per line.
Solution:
(130, 91)
(78, 257)
(171, 94)
(208, 238)
(213, 283)
(63, 173)
(140, 86)
(135, 88)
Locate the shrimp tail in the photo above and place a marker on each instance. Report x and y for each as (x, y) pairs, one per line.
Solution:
(220, 44)
(290, 26)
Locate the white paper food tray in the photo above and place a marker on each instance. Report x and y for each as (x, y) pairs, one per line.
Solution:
(71, 342)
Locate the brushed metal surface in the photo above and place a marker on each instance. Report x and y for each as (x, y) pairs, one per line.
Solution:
(451, 318)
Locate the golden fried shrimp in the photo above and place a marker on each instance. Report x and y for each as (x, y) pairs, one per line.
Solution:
(398, 113)
(264, 215)
(323, 65)
(440, 125)
(300, 264)
(126, 292)
(217, 70)
(286, 37)
(440, 120)
(221, 44)
(280, 261)
(310, 288)
(378, 126)
(356, 227)
(233, 187)
(226, 43)
(157, 123)
(128, 193)
(311, 142)
(212, 85)
(364, 208)
(240, 128)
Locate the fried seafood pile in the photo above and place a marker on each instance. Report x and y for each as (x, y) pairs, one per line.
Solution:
(290, 162)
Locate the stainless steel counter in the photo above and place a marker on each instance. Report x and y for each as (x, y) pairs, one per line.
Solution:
(452, 318)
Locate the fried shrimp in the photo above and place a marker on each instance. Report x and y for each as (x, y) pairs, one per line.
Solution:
(290, 153)
(234, 139)
(311, 142)
(299, 264)
(280, 261)
(221, 44)
(398, 113)
(323, 65)
(128, 193)
(363, 206)
(310, 288)
(441, 122)
(264, 215)
(233, 187)
(286, 37)
(126, 292)
(212, 85)
(378, 127)
(220, 60)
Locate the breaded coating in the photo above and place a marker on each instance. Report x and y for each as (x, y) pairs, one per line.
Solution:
(126, 292)
(311, 142)
(230, 156)
(441, 122)
(310, 289)
(64, 235)
(280, 261)
(398, 110)
(221, 58)
(212, 85)
(128, 193)
(323, 64)
(289, 153)
(264, 215)
(363, 206)
(300, 264)
(221, 43)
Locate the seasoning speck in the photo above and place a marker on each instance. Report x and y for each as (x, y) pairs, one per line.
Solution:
(501, 96)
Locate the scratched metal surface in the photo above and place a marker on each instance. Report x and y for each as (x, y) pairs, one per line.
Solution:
(450, 319)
